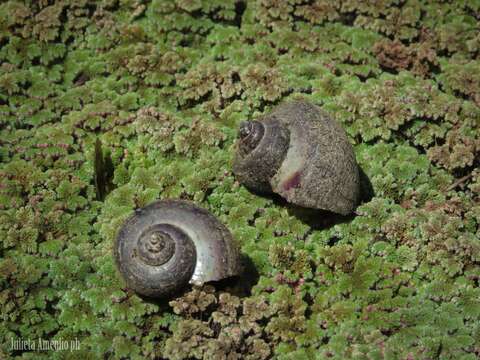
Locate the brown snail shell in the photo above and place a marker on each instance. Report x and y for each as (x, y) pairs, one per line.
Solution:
(170, 243)
(299, 152)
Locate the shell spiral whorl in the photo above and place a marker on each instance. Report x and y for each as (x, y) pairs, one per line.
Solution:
(251, 133)
(260, 152)
(157, 245)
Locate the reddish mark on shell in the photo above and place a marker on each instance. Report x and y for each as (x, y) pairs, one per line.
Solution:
(292, 182)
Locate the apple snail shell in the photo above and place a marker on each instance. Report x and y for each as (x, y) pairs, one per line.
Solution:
(170, 243)
(299, 152)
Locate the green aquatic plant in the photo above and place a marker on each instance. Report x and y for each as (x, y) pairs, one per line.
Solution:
(162, 86)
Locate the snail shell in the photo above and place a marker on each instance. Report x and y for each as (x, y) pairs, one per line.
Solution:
(300, 153)
(170, 243)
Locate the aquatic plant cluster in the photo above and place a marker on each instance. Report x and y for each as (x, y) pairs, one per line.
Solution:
(163, 86)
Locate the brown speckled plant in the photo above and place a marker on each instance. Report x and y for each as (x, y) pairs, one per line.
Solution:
(163, 86)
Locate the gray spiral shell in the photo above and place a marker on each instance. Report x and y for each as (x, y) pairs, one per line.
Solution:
(170, 243)
(299, 152)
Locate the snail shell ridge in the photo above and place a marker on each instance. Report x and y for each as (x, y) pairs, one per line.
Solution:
(316, 169)
(170, 243)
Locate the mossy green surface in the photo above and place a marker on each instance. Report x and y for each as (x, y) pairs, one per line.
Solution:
(163, 85)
